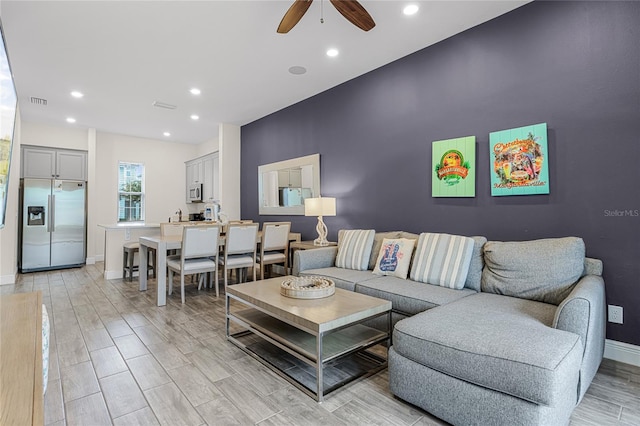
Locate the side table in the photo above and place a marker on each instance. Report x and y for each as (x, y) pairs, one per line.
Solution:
(304, 245)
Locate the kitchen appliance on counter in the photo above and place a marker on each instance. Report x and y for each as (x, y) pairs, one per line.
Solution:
(53, 231)
(212, 212)
(196, 217)
(195, 193)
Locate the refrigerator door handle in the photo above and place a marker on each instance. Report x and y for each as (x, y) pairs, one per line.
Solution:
(49, 210)
(52, 213)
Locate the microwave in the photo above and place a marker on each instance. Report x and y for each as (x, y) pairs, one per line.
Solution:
(194, 195)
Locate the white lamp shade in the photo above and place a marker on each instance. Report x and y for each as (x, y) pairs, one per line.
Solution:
(322, 206)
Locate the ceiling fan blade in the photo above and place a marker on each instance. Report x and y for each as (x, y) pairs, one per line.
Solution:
(293, 15)
(355, 13)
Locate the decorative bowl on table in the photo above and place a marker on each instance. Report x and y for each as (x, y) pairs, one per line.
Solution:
(307, 287)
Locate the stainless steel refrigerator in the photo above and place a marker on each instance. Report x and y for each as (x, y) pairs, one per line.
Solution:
(53, 231)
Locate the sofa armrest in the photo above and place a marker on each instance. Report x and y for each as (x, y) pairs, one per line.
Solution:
(583, 313)
(324, 257)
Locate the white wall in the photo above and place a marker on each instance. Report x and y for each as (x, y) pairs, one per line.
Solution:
(208, 147)
(165, 178)
(229, 144)
(9, 234)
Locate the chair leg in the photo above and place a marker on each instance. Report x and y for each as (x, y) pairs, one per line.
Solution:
(262, 265)
(131, 256)
(182, 286)
(254, 270)
(216, 282)
(170, 281)
(124, 263)
(201, 281)
(225, 279)
(152, 255)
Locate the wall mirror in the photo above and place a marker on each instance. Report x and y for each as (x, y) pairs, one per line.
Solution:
(283, 186)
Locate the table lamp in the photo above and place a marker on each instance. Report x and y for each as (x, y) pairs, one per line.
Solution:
(321, 206)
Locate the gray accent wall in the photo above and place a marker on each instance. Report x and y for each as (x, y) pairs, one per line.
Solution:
(573, 65)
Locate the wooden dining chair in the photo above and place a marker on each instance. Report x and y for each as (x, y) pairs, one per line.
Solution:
(274, 246)
(240, 247)
(199, 255)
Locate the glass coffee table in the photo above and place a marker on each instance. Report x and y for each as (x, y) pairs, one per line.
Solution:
(318, 345)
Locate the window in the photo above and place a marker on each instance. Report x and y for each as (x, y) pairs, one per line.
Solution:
(130, 192)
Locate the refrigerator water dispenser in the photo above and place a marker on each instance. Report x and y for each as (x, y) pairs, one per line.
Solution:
(36, 216)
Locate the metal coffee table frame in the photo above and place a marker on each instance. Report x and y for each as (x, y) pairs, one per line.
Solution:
(318, 346)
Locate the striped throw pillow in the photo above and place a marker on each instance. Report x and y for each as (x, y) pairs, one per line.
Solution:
(354, 249)
(442, 259)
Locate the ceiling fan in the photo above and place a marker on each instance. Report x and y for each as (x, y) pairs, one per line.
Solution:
(350, 9)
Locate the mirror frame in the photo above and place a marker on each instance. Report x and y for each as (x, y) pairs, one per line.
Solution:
(313, 160)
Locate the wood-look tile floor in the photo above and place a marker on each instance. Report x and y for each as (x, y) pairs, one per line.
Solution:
(117, 358)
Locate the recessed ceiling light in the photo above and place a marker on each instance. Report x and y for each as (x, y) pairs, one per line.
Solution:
(77, 94)
(195, 91)
(297, 70)
(167, 134)
(71, 120)
(332, 52)
(411, 9)
(195, 117)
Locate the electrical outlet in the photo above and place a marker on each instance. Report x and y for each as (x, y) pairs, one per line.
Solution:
(127, 234)
(615, 314)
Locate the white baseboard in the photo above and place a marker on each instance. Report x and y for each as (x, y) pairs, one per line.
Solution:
(622, 352)
(90, 261)
(112, 275)
(99, 257)
(7, 279)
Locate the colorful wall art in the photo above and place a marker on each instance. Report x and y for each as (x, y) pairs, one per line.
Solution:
(519, 161)
(454, 168)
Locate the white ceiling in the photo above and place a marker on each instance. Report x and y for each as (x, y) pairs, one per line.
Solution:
(124, 55)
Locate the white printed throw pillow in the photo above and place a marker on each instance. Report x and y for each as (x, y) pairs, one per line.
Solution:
(394, 257)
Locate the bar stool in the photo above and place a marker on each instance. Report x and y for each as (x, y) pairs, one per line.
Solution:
(128, 252)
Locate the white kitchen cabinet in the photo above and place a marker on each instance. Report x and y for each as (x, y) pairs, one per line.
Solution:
(194, 171)
(205, 171)
(210, 173)
(47, 163)
(290, 178)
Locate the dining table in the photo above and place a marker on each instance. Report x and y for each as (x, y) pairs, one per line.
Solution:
(163, 243)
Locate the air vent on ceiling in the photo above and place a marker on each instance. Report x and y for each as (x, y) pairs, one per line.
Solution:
(163, 105)
(38, 101)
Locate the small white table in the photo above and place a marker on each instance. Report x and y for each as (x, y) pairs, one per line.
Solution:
(170, 242)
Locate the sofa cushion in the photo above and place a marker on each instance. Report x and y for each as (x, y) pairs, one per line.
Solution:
(544, 270)
(394, 257)
(409, 297)
(474, 275)
(354, 248)
(343, 278)
(442, 259)
(498, 342)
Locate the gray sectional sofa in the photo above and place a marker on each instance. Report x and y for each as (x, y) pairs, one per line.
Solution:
(519, 344)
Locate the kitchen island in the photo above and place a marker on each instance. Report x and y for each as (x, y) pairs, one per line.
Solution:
(118, 234)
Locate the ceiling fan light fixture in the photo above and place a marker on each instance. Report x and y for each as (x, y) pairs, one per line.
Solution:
(410, 9)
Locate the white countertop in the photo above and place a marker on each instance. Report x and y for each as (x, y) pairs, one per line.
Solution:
(115, 226)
